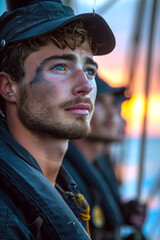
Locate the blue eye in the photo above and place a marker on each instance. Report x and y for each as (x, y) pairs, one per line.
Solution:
(91, 72)
(59, 67)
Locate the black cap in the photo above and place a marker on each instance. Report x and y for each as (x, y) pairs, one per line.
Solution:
(121, 98)
(14, 4)
(103, 87)
(119, 93)
(41, 17)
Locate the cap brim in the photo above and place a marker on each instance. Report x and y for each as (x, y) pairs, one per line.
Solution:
(101, 32)
(105, 88)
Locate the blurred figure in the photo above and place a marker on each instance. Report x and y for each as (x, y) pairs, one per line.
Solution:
(88, 162)
(108, 126)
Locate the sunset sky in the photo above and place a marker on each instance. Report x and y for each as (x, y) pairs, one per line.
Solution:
(115, 67)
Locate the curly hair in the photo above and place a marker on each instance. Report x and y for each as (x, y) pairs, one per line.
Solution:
(13, 57)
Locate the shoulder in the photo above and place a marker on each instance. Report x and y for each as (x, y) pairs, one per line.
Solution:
(12, 225)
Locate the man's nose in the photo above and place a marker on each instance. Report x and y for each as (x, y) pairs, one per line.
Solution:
(82, 86)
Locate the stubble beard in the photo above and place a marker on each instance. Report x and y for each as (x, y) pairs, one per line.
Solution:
(40, 126)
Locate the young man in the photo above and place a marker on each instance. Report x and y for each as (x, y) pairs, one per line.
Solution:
(48, 89)
(86, 161)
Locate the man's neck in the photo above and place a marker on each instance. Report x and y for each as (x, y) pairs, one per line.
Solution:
(48, 151)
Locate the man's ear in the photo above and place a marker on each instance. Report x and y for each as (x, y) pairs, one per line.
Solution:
(7, 87)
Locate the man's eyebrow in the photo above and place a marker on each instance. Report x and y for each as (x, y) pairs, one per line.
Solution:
(91, 61)
(69, 57)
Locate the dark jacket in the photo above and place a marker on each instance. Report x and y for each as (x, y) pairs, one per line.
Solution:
(92, 183)
(104, 166)
(30, 207)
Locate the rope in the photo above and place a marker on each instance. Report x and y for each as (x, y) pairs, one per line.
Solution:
(82, 202)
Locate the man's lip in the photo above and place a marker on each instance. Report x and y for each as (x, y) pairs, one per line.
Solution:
(79, 109)
(85, 106)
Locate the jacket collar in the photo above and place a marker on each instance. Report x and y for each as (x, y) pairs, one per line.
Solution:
(16, 147)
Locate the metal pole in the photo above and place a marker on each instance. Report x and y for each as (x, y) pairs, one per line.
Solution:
(133, 48)
(134, 45)
(148, 74)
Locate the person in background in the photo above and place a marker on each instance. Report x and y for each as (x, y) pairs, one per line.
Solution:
(111, 131)
(86, 161)
(47, 95)
(114, 140)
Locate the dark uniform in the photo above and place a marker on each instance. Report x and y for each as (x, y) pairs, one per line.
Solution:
(106, 216)
(30, 207)
(103, 164)
(100, 187)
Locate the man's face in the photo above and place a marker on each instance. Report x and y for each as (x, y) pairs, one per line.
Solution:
(58, 91)
(106, 119)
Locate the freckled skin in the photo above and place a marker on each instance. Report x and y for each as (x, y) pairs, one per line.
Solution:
(45, 90)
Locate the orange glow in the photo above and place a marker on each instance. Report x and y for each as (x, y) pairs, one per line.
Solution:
(115, 81)
(133, 108)
(155, 106)
(133, 112)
